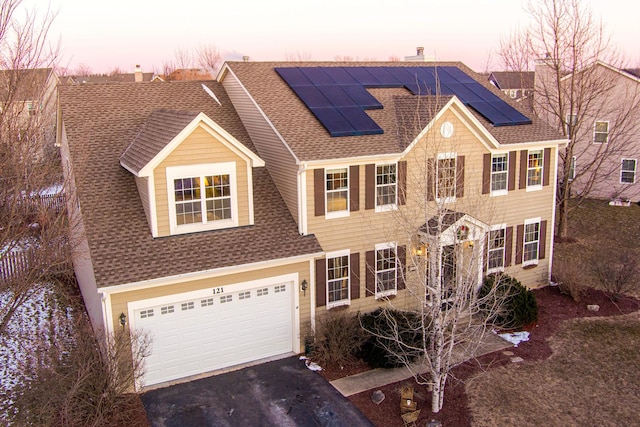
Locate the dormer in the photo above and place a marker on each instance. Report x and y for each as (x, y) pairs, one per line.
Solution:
(191, 174)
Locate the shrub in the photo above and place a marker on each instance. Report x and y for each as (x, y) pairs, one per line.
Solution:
(338, 339)
(570, 278)
(508, 304)
(394, 337)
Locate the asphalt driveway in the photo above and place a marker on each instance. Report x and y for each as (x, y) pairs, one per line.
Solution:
(279, 393)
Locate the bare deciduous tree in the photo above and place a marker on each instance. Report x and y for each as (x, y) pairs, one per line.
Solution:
(444, 260)
(33, 226)
(298, 56)
(80, 377)
(567, 43)
(209, 58)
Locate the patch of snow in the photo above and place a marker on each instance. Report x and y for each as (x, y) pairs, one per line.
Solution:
(49, 191)
(515, 338)
(313, 366)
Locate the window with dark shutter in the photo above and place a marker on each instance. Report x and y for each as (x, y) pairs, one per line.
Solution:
(370, 274)
(370, 186)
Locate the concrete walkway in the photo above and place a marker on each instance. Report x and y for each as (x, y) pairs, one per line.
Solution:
(377, 378)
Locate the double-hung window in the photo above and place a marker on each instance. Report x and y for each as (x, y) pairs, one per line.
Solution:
(337, 191)
(446, 177)
(601, 132)
(386, 185)
(386, 270)
(531, 249)
(202, 197)
(496, 249)
(535, 169)
(628, 171)
(572, 169)
(499, 173)
(338, 279)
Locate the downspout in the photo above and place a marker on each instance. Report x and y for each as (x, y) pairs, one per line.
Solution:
(553, 215)
(302, 198)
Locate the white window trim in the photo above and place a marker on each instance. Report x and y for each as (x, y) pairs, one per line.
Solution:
(176, 172)
(536, 187)
(594, 131)
(343, 213)
(342, 302)
(444, 156)
(635, 168)
(524, 240)
(391, 206)
(496, 193)
(504, 249)
(386, 245)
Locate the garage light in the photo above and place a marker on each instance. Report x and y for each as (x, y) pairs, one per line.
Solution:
(123, 319)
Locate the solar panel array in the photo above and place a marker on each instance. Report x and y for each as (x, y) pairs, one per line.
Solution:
(338, 96)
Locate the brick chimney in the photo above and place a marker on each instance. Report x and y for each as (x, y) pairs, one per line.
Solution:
(138, 74)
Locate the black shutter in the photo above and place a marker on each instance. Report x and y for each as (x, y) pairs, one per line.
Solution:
(354, 265)
(371, 273)
(354, 188)
(370, 186)
(321, 282)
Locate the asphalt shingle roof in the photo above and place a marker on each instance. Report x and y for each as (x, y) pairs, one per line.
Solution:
(101, 121)
(309, 140)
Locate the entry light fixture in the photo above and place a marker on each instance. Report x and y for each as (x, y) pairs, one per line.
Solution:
(123, 319)
(304, 286)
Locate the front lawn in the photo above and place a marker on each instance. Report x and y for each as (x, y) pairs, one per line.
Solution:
(591, 379)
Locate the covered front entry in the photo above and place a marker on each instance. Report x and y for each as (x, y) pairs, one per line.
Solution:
(201, 331)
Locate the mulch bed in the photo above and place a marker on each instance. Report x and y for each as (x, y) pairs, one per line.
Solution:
(553, 308)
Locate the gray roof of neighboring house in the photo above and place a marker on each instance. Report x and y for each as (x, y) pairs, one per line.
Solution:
(309, 140)
(109, 78)
(633, 71)
(101, 121)
(513, 79)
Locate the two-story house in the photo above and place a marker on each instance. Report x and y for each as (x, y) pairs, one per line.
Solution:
(225, 218)
(28, 105)
(601, 115)
(517, 85)
(352, 146)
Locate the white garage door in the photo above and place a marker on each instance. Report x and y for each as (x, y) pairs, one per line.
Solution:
(195, 335)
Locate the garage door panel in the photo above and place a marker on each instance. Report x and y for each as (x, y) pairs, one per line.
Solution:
(203, 334)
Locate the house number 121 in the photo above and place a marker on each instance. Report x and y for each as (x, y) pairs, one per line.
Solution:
(219, 290)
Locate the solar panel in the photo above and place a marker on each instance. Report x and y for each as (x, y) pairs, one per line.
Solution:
(334, 122)
(312, 96)
(293, 76)
(360, 121)
(340, 76)
(338, 96)
(363, 76)
(317, 75)
(362, 97)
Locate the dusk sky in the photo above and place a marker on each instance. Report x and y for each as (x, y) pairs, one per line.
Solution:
(123, 33)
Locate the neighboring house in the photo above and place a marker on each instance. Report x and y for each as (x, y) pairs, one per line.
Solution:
(604, 123)
(515, 84)
(188, 74)
(137, 76)
(301, 196)
(28, 103)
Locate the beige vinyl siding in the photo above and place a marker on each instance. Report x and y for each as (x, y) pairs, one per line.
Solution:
(363, 229)
(198, 148)
(279, 160)
(142, 184)
(119, 301)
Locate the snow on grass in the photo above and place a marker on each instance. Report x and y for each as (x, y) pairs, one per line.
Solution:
(32, 329)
